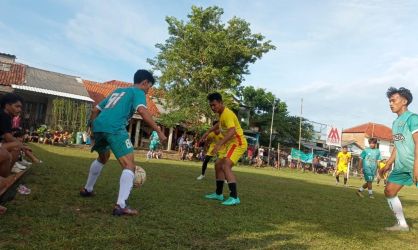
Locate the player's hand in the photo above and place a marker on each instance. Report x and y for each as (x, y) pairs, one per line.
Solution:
(383, 171)
(215, 149)
(416, 175)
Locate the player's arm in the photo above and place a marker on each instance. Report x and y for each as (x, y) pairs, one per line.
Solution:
(147, 117)
(415, 136)
(389, 163)
(213, 128)
(338, 160)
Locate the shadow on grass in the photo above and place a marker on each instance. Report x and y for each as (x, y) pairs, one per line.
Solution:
(276, 212)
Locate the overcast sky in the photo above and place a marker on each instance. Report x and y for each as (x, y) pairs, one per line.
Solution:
(339, 56)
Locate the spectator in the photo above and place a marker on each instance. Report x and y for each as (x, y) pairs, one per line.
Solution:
(17, 133)
(10, 106)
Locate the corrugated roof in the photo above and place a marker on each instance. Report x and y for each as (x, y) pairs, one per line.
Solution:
(99, 91)
(52, 92)
(371, 129)
(44, 79)
(14, 74)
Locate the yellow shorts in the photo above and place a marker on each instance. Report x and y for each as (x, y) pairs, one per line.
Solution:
(233, 152)
(342, 169)
(211, 147)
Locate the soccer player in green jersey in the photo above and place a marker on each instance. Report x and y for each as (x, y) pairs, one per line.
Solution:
(108, 123)
(405, 153)
(369, 159)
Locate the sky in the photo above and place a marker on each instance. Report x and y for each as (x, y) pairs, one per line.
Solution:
(339, 56)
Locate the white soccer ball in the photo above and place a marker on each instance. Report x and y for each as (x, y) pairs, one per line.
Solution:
(140, 177)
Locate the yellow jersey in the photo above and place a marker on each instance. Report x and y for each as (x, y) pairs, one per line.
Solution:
(343, 159)
(228, 120)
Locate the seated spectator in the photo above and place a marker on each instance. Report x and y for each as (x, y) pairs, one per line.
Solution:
(10, 106)
(28, 153)
(57, 137)
(66, 137)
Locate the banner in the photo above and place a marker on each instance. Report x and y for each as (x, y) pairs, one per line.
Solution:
(304, 157)
(334, 136)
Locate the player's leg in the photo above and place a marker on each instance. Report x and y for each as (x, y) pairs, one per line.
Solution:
(220, 179)
(94, 173)
(395, 183)
(102, 148)
(234, 153)
(204, 166)
(361, 189)
(123, 150)
(345, 172)
(337, 177)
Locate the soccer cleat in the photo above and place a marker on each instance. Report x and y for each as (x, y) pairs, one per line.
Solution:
(371, 196)
(359, 194)
(336, 183)
(118, 211)
(397, 228)
(215, 196)
(85, 193)
(200, 177)
(231, 201)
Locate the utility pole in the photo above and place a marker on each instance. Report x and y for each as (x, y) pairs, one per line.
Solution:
(271, 132)
(300, 128)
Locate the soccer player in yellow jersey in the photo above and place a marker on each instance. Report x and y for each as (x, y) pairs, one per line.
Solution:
(229, 149)
(211, 140)
(343, 158)
(382, 164)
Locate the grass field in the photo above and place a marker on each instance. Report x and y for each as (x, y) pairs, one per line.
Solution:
(279, 210)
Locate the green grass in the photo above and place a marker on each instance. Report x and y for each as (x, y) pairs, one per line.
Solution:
(279, 210)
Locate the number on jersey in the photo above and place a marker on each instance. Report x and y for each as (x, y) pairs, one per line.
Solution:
(114, 99)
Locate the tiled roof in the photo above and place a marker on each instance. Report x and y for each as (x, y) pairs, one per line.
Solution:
(372, 130)
(14, 75)
(99, 91)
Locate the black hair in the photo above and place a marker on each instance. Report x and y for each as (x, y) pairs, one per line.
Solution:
(405, 93)
(373, 140)
(10, 98)
(345, 147)
(141, 75)
(215, 97)
(214, 123)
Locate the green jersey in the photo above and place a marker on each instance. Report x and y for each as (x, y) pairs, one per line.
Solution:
(117, 109)
(370, 157)
(402, 129)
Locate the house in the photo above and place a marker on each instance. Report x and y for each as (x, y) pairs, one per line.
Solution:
(138, 130)
(39, 88)
(361, 134)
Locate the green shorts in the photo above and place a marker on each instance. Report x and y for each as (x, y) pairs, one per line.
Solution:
(368, 177)
(401, 178)
(119, 143)
(369, 174)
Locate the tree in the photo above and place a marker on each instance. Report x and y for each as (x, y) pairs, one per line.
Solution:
(204, 55)
(286, 127)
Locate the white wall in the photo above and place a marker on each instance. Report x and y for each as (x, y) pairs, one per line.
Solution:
(385, 147)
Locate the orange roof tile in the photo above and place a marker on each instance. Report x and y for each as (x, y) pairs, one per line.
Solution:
(99, 91)
(372, 130)
(15, 75)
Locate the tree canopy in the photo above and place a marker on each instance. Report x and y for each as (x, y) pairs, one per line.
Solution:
(204, 55)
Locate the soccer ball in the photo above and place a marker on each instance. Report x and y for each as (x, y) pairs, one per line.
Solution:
(140, 177)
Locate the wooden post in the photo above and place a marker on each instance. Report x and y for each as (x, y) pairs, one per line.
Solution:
(137, 131)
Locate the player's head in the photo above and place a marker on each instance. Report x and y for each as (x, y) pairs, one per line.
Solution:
(144, 79)
(399, 99)
(12, 104)
(345, 149)
(372, 142)
(215, 102)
